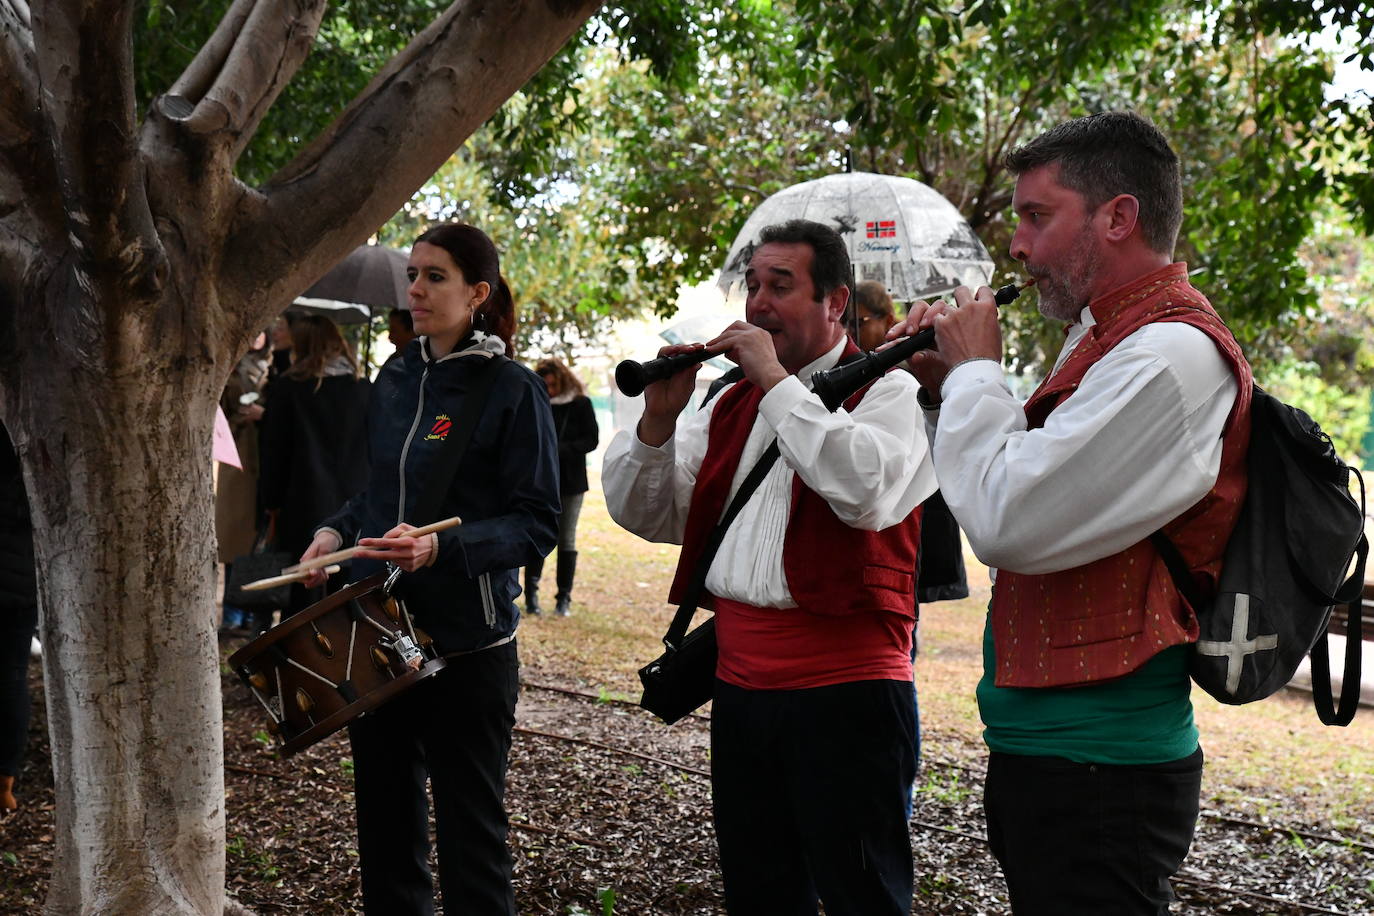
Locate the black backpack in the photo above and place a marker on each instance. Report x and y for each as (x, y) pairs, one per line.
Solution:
(1284, 569)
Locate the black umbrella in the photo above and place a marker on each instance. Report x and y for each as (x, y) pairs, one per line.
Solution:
(371, 277)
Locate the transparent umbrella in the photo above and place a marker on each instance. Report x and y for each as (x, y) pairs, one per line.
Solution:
(899, 231)
(700, 329)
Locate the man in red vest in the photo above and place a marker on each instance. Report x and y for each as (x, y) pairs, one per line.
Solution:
(1095, 769)
(813, 727)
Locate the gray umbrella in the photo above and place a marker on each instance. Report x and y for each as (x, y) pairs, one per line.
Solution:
(898, 230)
(371, 277)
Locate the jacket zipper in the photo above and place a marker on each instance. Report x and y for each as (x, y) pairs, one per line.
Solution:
(484, 580)
(405, 449)
(488, 602)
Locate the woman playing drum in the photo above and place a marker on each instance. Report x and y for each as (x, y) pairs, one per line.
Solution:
(459, 584)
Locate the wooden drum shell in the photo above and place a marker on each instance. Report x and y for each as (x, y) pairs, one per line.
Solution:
(300, 670)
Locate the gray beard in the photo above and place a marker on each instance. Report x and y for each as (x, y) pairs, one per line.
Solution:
(1058, 301)
(1063, 295)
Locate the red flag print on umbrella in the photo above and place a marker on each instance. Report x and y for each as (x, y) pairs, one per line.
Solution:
(882, 229)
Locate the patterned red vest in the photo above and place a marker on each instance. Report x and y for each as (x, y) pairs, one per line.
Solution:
(1107, 618)
(831, 568)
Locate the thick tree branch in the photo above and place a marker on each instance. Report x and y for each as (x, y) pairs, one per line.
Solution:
(85, 68)
(244, 67)
(20, 126)
(18, 74)
(390, 140)
(30, 211)
(200, 74)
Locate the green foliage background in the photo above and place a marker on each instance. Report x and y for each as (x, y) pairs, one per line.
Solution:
(625, 168)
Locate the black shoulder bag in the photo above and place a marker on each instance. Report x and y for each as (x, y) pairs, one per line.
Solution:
(683, 678)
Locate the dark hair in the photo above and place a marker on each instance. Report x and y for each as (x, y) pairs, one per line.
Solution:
(566, 380)
(476, 256)
(830, 266)
(403, 316)
(872, 296)
(1111, 153)
(316, 342)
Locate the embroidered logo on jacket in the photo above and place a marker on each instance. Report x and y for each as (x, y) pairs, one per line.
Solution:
(442, 424)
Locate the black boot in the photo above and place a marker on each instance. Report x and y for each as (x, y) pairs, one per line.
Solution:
(532, 574)
(567, 568)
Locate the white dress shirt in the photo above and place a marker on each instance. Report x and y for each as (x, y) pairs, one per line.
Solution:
(1134, 447)
(873, 467)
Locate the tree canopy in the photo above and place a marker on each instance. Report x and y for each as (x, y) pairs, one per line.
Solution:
(739, 105)
(639, 151)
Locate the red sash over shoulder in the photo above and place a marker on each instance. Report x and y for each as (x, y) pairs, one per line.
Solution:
(1107, 618)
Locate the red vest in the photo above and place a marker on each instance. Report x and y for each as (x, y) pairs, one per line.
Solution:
(868, 578)
(1107, 618)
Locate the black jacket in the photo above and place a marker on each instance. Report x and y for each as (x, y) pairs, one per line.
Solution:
(18, 586)
(505, 491)
(575, 423)
(312, 451)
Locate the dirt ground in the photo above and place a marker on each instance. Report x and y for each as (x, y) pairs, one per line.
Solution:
(610, 813)
(610, 810)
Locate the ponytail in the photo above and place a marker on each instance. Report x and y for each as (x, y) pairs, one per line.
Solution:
(497, 314)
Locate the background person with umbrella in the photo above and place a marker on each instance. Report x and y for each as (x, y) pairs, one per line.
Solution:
(870, 315)
(313, 439)
(370, 280)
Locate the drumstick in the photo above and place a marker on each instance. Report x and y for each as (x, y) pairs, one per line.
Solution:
(347, 553)
(258, 585)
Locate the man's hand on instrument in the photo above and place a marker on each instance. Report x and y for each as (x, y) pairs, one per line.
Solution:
(664, 400)
(325, 542)
(966, 330)
(752, 349)
(409, 553)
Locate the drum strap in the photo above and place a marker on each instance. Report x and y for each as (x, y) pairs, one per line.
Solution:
(446, 467)
(492, 645)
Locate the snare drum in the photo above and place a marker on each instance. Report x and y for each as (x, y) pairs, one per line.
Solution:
(338, 659)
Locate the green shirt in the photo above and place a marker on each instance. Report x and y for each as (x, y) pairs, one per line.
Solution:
(1144, 717)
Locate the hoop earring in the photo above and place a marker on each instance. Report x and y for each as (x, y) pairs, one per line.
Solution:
(479, 320)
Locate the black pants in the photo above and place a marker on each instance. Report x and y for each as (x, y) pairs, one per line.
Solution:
(809, 789)
(16, 638)
(456, 728)
(1083, 838)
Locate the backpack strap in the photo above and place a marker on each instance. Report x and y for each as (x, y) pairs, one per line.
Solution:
(683, 618)
(1178, 568)
(1351, 680)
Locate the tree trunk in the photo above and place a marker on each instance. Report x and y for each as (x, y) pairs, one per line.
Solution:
(134, 269)
(118, 467)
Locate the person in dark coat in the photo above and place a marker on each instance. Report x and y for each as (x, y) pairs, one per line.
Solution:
(400, 331)
(313, 440)
(575, 420)
(18, 618)
(236, 488)
(460, 584)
